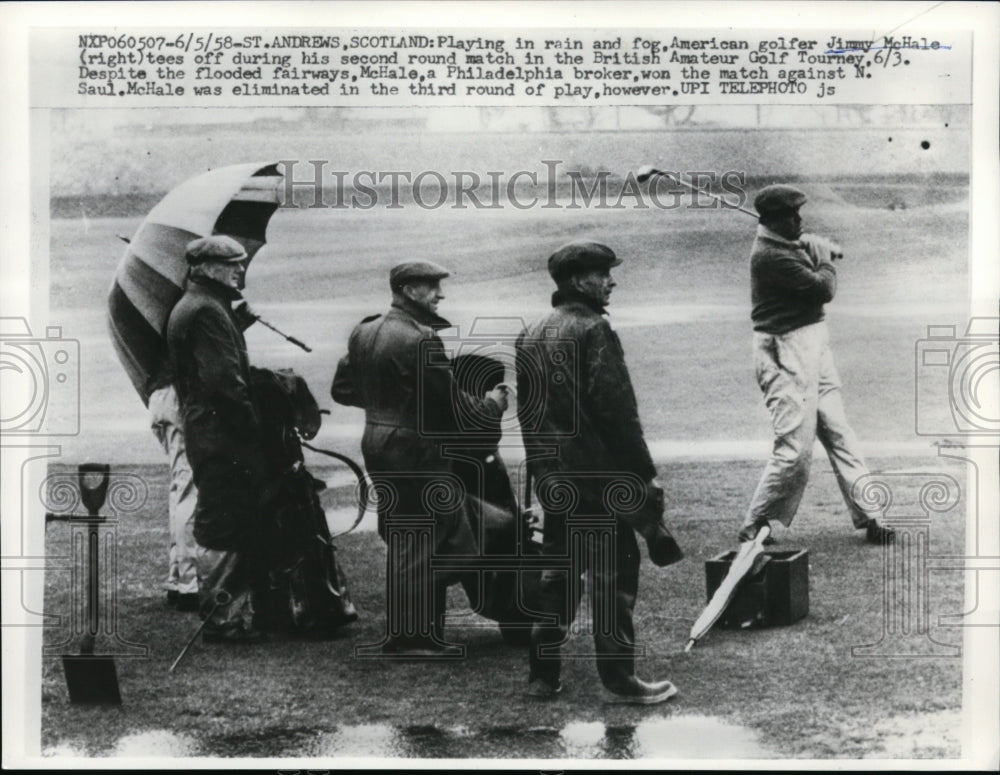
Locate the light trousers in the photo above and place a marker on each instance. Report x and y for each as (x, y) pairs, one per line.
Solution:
(801, 387)
(182, 573)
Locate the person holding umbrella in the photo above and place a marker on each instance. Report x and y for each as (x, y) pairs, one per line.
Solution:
(792, 276)
(208, 357)
(593, 474)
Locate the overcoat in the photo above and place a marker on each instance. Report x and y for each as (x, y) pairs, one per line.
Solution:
(208, 356)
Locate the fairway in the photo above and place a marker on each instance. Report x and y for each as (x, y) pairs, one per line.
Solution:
(681, 307)
(785, 692)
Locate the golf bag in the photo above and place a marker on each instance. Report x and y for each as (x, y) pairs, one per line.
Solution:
(303, 591)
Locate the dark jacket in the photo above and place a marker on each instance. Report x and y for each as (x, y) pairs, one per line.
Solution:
(575, 396)
(222, 434)
(212, 373)
(397, 370)
(788, 288)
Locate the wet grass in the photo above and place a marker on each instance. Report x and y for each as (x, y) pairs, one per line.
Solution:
(798, 687)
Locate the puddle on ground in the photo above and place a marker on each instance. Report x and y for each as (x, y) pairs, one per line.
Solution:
(156, 743)
(673, 737)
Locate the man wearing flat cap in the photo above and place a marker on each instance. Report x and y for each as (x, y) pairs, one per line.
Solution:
(792, 276)
(397, 370)
(211, 371)
(593, 475)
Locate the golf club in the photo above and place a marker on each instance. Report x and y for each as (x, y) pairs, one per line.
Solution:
(648, 172)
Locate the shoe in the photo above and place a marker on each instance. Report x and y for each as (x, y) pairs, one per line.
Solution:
(876, 534)
(543, 690)
(639, 692)
(420, 650)
(236, 636)
(663, 549)
(187, 602)
(172, 597)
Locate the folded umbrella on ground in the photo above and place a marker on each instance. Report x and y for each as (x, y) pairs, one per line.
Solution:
(739, 569)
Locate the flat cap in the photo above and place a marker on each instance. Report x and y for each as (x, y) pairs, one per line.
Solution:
(413, 271)
(218, 247)
(581, 257)
(777, 198)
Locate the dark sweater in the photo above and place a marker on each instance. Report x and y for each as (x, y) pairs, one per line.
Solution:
(788, 288)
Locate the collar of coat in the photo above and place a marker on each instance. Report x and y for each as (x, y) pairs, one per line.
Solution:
(573, 296)
(420, 314)
(216, 288)
(766, 233)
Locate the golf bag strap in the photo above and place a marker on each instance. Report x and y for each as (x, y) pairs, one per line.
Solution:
(362, 483)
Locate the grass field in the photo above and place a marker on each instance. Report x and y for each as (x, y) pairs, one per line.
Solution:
(682, 305)
(792, 691)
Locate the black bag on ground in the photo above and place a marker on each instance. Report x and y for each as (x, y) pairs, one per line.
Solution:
(304, 591)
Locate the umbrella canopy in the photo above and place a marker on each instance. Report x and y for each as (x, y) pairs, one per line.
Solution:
(238, 201)
(741, 567)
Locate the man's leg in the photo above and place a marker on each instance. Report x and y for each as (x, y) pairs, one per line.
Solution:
(229, 527)
(183, 499)
(411, 596)
(182, 574)
(557, 601)
(841, 445)
(615, 589)
(787, 369)
(224, 583)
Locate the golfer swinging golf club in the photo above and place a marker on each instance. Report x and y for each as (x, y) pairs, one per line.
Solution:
(792, 276)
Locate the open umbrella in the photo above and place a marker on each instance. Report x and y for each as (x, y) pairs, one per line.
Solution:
(238, 200)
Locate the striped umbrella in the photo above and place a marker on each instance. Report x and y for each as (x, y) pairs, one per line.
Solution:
(238, 201)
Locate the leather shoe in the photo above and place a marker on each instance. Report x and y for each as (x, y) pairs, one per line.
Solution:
(187, 602)
(639, 692)
(876, 534)
(663, 549)
(542, 690)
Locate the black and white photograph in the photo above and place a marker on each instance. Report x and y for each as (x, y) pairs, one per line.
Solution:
(500, 385)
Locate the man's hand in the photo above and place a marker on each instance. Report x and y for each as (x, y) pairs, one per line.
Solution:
(244, 315)
(499, 394)
(654, 495)
(663, 548)
(821, 248)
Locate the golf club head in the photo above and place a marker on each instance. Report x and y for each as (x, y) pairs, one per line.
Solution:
(646, 172)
